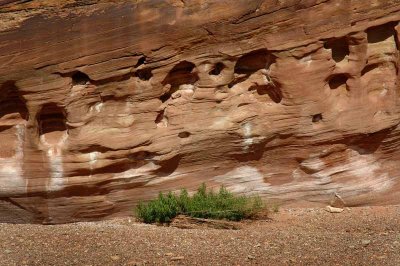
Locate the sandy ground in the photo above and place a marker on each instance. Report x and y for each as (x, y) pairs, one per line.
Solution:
(357, 236)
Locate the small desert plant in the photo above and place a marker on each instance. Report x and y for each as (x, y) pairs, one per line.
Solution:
(203, 204)
(275, 207)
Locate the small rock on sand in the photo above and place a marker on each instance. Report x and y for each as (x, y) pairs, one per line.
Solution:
(333, 209)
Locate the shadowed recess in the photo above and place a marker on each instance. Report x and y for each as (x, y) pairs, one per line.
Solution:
(253, 61)
(317, 118)
(274, 93)
(184, 134)
(337, 80)
(339, 48)
(169, 166)
(12, 105)
(144, 74)
(182, 73)
(369, 68)
(160, 117)
(381, 33)
(140, 62)
(52, 123)
(80, 78)
(217, 69)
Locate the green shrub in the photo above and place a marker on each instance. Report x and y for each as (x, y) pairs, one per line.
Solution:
(203, 204)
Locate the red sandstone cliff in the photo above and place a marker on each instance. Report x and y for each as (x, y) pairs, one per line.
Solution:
(104, 103)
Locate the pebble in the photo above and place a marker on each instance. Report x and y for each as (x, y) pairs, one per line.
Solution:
(177, 258)
(365, 242)
(333, 209)
(250, 257)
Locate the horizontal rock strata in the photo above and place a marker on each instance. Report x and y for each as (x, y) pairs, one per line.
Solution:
(106, 103)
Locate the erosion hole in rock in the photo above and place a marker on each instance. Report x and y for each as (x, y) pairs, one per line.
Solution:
(338, 80)
(217, 69)
(381, 33)
(184, 134)
(141, 155)
(317, 118)
(182, 73)
(52, 123)
(370, 143)
(106, 98)
(161, 120)
(140, 62)
(12, 104)
(274, 93)
(159, 117)
(339, 48)
(80, 78)
(144, 74)
(165, 97)
(169, 166)
(369, 68)
(253, 61)
(237, 81)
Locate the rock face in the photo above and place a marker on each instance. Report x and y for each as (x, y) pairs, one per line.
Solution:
(105, 103)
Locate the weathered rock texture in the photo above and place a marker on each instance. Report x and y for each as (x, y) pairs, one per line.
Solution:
(105, 103)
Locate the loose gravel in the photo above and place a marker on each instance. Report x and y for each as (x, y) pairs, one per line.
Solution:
(357, 236)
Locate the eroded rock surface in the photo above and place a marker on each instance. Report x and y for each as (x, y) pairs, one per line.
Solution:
(105, 103)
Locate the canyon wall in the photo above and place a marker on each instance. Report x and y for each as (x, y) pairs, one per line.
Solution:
(106, 103)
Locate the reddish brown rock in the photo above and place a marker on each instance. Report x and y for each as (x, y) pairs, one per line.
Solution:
(105, 103)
